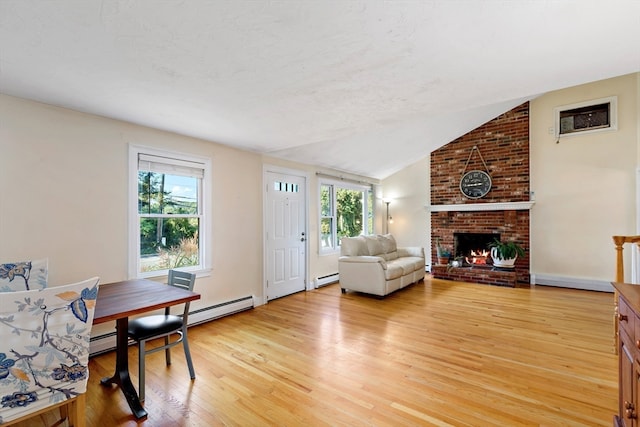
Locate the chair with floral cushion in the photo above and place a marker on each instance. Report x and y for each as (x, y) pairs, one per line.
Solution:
(44, 351)
(23, 275)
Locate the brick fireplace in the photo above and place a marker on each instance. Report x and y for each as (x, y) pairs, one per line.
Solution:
(502, 145)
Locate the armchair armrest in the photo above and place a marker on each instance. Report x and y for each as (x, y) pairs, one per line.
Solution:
(365, 259)
(411, 251)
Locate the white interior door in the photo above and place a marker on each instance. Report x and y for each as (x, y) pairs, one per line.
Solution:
(286, 238)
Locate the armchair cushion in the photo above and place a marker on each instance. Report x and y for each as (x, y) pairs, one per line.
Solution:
(44, 350)
(355, 246)
(374, 245)
(23, 275)
(393, 272)
(389, 247)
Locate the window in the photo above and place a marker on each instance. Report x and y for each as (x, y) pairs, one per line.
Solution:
(168, 214)
(586, 117)
(287, 187)
(345, 211)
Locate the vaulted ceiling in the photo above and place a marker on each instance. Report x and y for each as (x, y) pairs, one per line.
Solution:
(366, 87)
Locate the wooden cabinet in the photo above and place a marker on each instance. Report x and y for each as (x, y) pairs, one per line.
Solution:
(628, 355)
(628, 320)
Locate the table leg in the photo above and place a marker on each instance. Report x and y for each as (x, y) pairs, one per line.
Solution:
(121, 376)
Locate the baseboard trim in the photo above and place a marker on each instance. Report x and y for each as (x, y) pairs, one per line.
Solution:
(327, 280)
(220, 310)
(571, 282)
(107, 342)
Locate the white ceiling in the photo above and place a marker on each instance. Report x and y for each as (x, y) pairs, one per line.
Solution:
(366, 87)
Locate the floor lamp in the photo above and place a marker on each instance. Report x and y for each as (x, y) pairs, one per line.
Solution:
(389, 219)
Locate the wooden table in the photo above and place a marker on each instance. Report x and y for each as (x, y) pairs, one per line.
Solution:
(118, 301)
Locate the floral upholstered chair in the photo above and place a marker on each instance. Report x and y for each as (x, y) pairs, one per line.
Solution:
(44, 351)
(23, 275)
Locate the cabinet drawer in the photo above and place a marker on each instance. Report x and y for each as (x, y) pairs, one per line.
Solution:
(627, 320)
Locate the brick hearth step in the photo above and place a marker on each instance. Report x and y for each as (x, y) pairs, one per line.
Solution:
(485, 274)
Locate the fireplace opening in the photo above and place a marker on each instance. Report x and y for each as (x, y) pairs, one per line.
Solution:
(473, 248)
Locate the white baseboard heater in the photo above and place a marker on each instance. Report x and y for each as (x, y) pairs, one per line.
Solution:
(107, 342)
(571, 282)
(327, 280)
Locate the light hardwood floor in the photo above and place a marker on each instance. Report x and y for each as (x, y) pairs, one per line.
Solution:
(437, 353)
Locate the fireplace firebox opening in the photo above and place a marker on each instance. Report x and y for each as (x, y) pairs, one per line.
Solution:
(473, 248)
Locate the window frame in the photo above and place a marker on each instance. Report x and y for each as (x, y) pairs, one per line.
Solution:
(204, 202)
(367, 191)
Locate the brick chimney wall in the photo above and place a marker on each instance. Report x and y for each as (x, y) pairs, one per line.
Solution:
(503, 143)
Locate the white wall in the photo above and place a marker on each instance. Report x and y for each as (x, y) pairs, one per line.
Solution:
(410, 194)
(64, 179)
(585, 185)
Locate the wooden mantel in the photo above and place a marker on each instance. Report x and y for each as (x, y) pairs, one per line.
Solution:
(470, 207)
